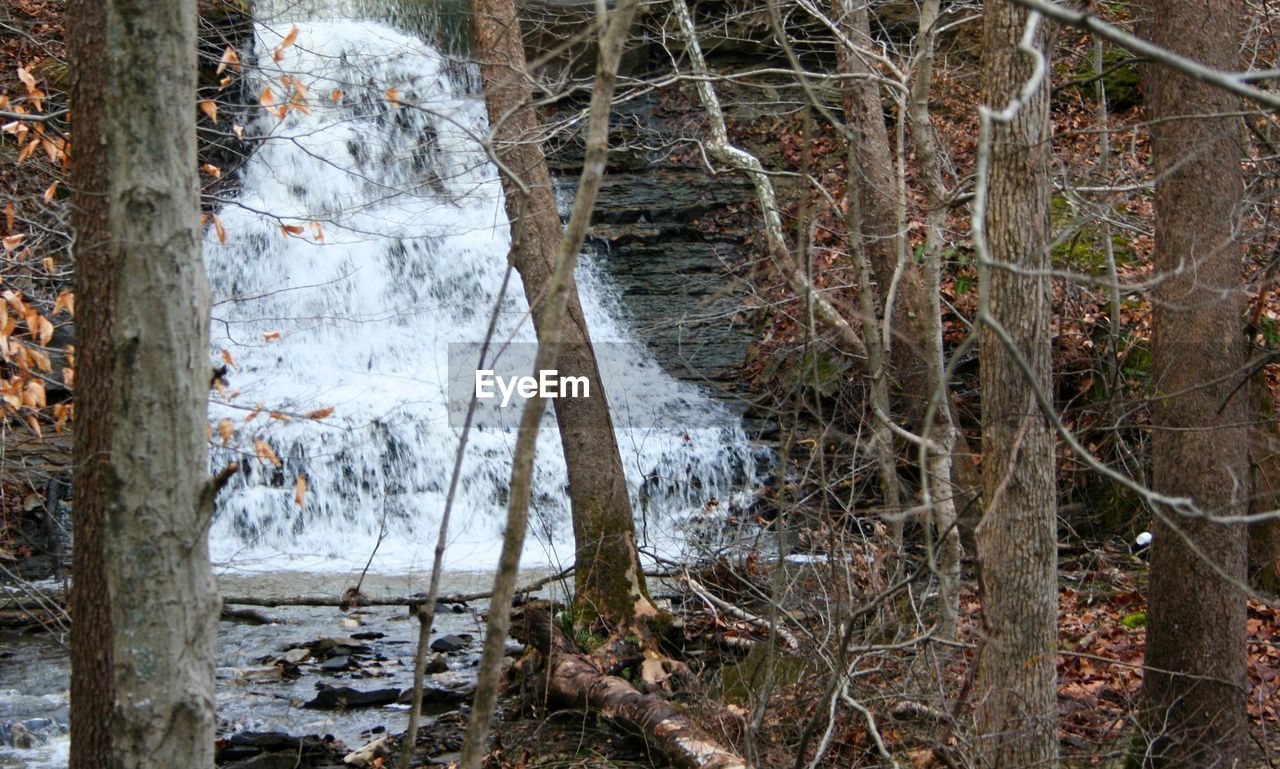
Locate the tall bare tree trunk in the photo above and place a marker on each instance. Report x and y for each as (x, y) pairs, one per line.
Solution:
(90, 602)
(1017, 713)
(940, 498)
(609, 582)
(1194, 683)
(902, 296)
(143, 381)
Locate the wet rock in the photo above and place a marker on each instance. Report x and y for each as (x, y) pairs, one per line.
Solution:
(346, 698)
(29, 732)
(436, 663)
(444, 692)
(368, 635)
(269, 750)
(366, 755)
(448, 644)
(337, 664)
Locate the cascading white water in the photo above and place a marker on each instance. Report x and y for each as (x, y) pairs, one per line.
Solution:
(396, 246)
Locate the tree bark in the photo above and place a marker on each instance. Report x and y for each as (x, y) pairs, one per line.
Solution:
(938, 453)
(143, 380)
(91, 682)
(572, 680)
(1017, 710)
(1194, 682)
(901, 292)
(1264, 475)
(608, 581)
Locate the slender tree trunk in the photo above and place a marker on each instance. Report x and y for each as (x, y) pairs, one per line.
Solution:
(1017, 712)
(91, 689)
(609, 582)
(1194, 683)
(541, 251)
(143, 381)
(902, 295)
(942, 432)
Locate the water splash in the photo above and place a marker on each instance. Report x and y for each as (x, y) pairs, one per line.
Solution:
(368, 234)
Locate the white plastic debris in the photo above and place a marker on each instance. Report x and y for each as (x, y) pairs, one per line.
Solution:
(1143, 539)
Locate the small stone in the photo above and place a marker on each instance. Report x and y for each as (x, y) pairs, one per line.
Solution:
(336, 664)
(449, 644)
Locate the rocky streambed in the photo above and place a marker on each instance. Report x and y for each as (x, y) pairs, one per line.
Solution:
(316, 677)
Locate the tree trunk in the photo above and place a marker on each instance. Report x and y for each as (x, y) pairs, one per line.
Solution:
(608, 580)
(572, 680)
(1264, 475)
(938, 454)
(901, 292)
(143, 382)
(91, 693)
(1194, 683)
(1017, 710)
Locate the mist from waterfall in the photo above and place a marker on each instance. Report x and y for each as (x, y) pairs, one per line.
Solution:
(367, 235)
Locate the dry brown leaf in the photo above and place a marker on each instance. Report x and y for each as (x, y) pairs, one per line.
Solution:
(320, 413)
(226, 429)
(264, 451)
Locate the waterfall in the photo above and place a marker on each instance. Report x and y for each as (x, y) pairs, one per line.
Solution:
(367, 235)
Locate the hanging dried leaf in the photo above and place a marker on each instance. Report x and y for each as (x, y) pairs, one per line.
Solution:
(61, 413)
(36, 357)
(393, 96)
(317, 232)
(12, 241)
(33, 394)
(29, 150)
(271, 336)
(335, 96)
(229, 59)
(224, 82)
(300, 490)
(219, 229)
(44, 330)
(50, 192)
(291, 229)
(226, 429)
(226, 358)
(69, 377)
(257, 409)
(264, 451)
(276, 415)
(238, 130)
(212, 170)
(210, 108)
(66, 302)
(34, 424)
(267, 98)
(289, 40)
(320, 413)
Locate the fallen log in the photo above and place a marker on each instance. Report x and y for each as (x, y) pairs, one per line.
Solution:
(574, 681)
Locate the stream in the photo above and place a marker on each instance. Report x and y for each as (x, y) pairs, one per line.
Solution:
(35, 671)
